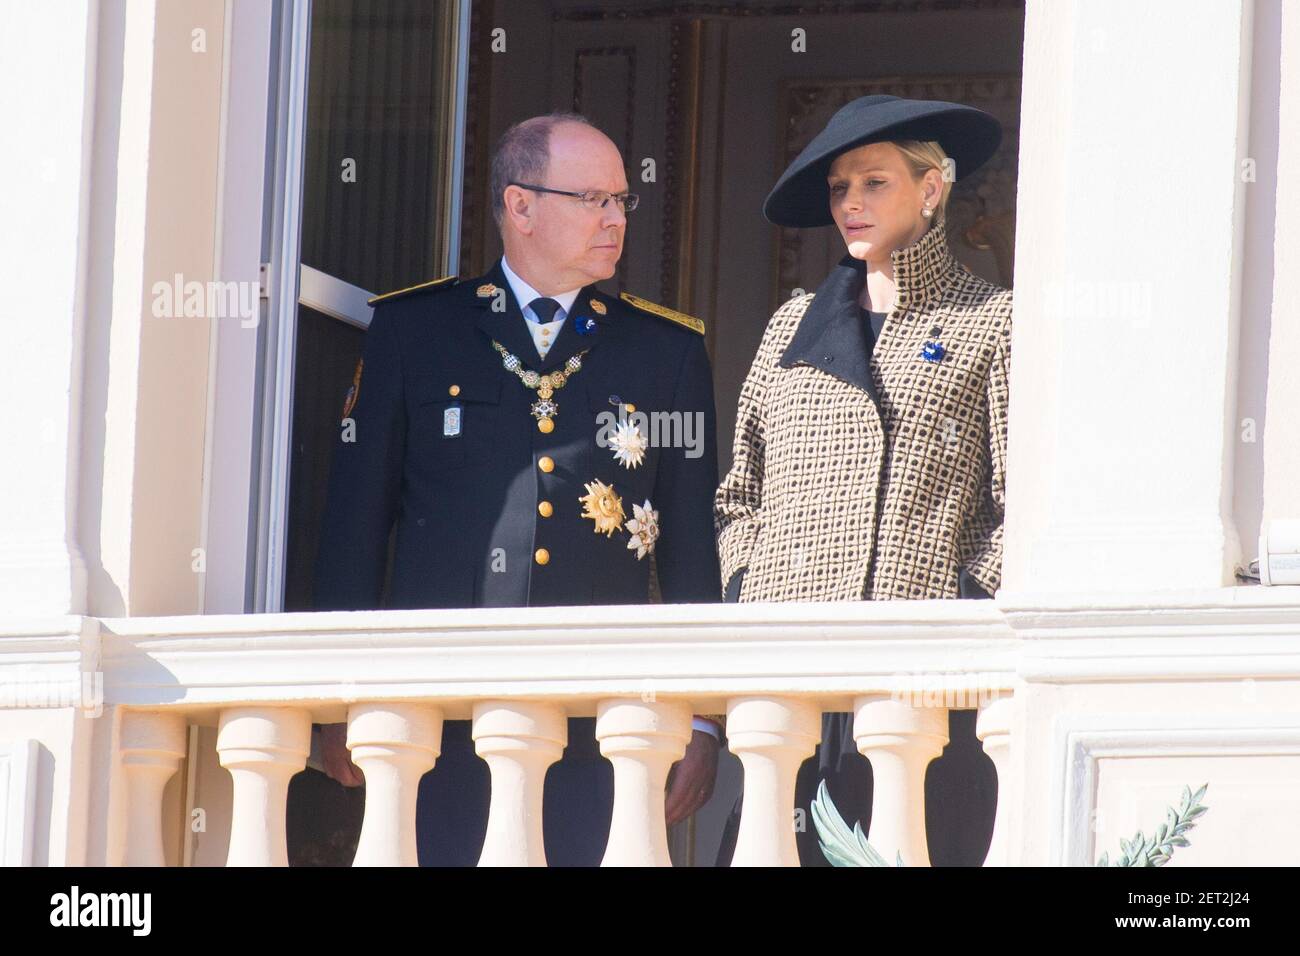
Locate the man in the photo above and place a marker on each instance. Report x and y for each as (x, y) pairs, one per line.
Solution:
(494, 420)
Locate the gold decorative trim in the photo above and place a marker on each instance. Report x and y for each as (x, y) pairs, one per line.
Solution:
(433, 283)
(672, 315)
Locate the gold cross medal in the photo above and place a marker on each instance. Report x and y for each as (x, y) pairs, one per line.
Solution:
(544, 410)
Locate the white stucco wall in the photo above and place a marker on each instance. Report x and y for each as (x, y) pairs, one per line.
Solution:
(1126, 471)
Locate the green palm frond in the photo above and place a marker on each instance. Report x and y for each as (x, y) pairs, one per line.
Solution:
(840, 845)
(1155, 850)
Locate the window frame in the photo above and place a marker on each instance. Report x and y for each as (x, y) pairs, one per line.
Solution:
(286, 284)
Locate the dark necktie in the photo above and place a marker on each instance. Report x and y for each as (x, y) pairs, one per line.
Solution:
(544, 309)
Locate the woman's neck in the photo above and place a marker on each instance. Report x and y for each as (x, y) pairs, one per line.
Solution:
(879, 289)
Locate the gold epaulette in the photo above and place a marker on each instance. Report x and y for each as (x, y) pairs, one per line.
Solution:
(672, 315)
(433, 284)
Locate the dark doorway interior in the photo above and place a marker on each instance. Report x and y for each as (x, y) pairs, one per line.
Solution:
(708, 103)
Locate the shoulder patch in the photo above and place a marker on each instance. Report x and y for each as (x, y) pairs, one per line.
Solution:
(672, 315)
(422, 287)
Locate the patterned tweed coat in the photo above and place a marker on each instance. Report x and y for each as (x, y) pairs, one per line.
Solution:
(872, 473)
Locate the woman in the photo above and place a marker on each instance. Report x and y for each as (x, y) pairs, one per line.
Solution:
(870, 446)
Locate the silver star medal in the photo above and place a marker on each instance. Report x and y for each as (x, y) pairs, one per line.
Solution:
(629, 445)
(643, 529)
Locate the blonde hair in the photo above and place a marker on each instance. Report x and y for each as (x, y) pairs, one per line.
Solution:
(926, 155)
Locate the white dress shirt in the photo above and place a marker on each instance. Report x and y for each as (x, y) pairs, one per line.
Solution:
(544, 333)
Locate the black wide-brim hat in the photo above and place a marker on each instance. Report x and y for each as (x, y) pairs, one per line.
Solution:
(801, 198)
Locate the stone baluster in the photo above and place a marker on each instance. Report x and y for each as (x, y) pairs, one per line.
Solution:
(900, 741)
(153, 744)
(262, 747)
(993, 728)
(394, 745)
(519, 740)
(772, 737)
(642, 740)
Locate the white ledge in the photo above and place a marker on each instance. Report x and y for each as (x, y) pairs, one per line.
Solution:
(701, 652)
(704, 653)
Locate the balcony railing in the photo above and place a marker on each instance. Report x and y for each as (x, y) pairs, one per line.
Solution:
(1095, 711)
(395, 676)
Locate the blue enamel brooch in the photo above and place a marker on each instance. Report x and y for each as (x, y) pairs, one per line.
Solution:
(933, 350)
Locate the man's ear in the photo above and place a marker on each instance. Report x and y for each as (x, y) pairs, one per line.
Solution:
(519, 209)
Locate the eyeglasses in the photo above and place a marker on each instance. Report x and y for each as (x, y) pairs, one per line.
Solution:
(590, 199)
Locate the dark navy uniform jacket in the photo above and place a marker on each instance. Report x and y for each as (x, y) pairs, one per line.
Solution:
(469, 507)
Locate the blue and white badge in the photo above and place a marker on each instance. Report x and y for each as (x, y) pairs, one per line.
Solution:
(451, 421)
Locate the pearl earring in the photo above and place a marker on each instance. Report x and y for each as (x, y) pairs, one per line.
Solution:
(926, 212)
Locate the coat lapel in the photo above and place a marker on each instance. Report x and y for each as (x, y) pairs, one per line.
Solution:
(509, 327)
(570, 341)
(831, 335)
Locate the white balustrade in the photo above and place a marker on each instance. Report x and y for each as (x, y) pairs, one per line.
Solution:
(152, 747)
(772, 736)
(900, 741)
(519, 740)
(394, 745)
(262, 747)
(642, 740)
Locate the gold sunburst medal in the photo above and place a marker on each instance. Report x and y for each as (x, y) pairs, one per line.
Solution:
(603, 506)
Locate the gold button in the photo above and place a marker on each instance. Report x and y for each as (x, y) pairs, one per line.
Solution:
(544, 509)
(546, 464)
(541, 556)
(454, 390)
(630, 407)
